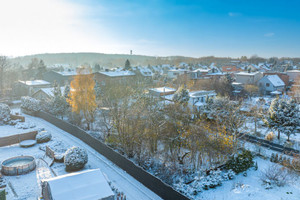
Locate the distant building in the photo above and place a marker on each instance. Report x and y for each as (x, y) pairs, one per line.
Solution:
(62, 78)
(248, 78)
(27, 88)
(117, 77)
(283, 76)
(45, 93)
(293, 74)
(174, 73)
(230, 69)
(197, 99)
(205, 73)
(271, 84)
(161, 91)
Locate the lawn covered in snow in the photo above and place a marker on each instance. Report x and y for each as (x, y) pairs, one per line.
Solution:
(252, 188)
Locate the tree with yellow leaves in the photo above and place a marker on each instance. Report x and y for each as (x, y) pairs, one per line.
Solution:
(82, 95)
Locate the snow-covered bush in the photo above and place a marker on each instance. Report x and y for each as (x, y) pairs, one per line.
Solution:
(30, 105)
(4, 113)
(275, 175)
(75, 158)
(240, 162)
(25, 125)
(43, 136)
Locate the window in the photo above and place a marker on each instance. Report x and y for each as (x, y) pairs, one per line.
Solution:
(268, 84)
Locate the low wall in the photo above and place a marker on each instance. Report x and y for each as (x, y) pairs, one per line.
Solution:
(14, 139)
(156, 185)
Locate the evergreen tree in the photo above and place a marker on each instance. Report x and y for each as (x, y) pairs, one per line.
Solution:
(58, 102)
(127, 65)
(97, 67)
(289, 114)
(273, 119)
(181, 96)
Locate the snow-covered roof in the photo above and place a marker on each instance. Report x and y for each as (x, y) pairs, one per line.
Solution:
(145, 71)
(68, 73)
(118, 73)
(201, 70)
(201, 93)
(247, 74)
(35, 82)
(276, 92)
(49, 91)
(86, 185)
(275, 80)
(163, 89)
(293, 71)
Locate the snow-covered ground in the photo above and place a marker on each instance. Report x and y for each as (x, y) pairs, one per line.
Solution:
(26, 186)
(21, 127)
(252, 188)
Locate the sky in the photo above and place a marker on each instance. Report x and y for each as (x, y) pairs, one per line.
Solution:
(193, 28)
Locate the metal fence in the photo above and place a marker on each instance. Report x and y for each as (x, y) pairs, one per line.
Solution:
(265, 143)
(156, 185)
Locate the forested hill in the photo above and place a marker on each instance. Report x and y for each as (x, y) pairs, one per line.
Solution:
(112, 60)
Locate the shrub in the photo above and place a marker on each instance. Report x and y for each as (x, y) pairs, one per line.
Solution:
(240, 162)
(270, 136)
(2, 194)
(275, 175)
(4, 113)
(43, 136)
(75, 158)
(30, 105)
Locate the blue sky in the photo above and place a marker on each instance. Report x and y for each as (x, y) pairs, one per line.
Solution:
(164, 27)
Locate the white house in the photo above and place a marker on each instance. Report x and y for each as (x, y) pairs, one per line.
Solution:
(196, 98)
(199, 98)
(271, 84)
(161, 91)
(248, 78)
(174, 73)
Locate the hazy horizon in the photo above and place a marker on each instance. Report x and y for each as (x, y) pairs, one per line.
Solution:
(151, 28)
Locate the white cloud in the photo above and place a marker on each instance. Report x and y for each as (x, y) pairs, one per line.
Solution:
(269, 34)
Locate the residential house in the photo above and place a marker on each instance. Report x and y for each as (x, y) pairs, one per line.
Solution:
(116, 77)
(248, 78)
(161, 91)
(62, 78)
(45, 93)
(230, 69)
(293, 74)
(271, 84)
(174, 73)
(27, 88)
(283, 76)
